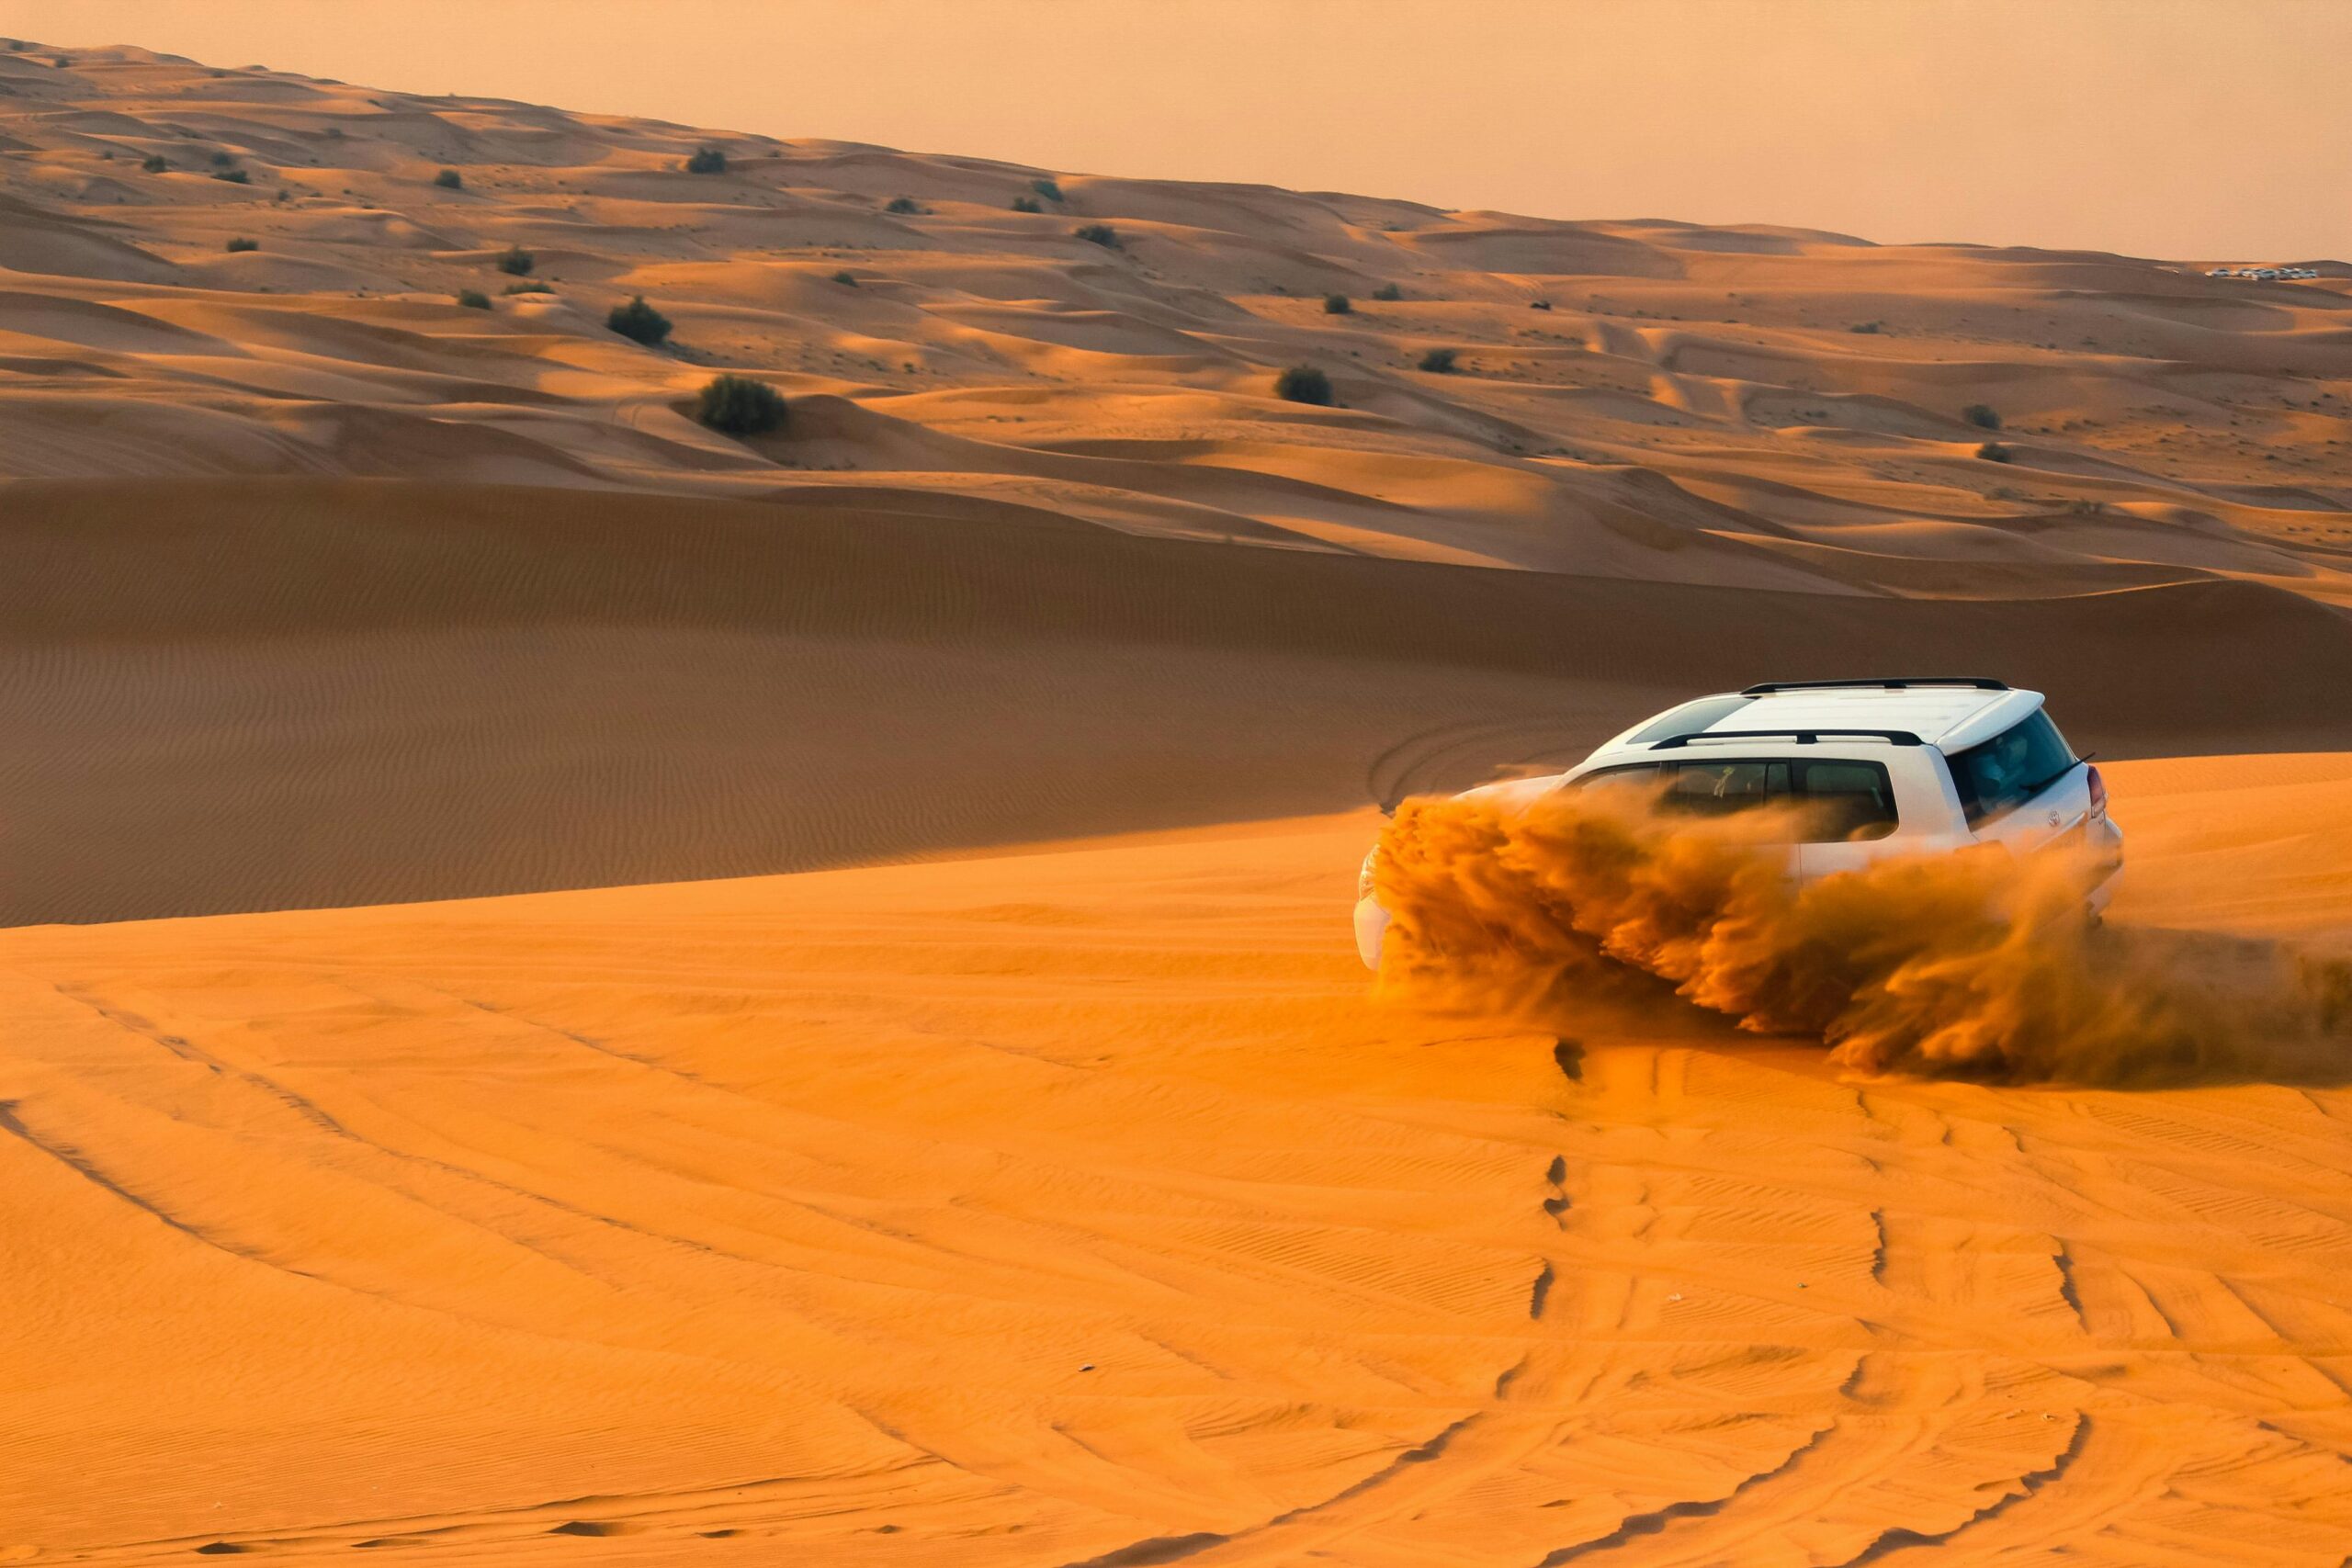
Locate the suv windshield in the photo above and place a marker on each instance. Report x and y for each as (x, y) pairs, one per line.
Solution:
(2012, 768)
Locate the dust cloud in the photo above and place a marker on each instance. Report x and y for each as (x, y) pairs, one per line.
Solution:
(1973, 965)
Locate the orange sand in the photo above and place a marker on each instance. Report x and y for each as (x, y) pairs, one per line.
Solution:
(1076, 1207)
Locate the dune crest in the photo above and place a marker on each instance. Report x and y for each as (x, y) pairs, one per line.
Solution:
(1640, 400)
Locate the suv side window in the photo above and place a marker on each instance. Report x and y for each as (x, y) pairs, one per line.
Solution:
(2006, 772)
(1851, 801)
(1717, 789)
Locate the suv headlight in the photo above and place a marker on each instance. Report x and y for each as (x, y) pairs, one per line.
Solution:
(1364, 877)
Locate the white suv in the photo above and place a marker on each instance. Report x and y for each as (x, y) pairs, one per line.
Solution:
(1907, 765)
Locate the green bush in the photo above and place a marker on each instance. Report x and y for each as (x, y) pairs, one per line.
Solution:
(473, 298)
(222, 160)
(1337, 305)
(902, 204)
(737, 405)
(242, 244)
(1982, 415)
(234, 176)
(156, 164)
(1994, 452)
(1304, 384)
(1027, 204)
(1438, 361)
(514, 259)
(847, 277)
(1539, 304)
(1388, 293)
(1101, 234)
(639, 323)
(1046, 188)
(449, 179)
(533, 286)
(706, 161)
(1866, 327)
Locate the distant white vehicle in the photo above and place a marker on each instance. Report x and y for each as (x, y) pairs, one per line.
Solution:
(1896, 766)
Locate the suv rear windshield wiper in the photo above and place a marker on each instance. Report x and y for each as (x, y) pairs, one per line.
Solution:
(2033, 789)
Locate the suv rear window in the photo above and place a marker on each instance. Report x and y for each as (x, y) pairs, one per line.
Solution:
(2013, 767)
(1852, 800)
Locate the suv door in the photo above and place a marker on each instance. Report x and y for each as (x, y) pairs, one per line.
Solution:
(1851, 807)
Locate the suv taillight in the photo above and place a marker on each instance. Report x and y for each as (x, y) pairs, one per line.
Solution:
(2098, 790)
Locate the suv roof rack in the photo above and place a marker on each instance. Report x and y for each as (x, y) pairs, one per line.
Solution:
(1888, 683)
(1804, 737)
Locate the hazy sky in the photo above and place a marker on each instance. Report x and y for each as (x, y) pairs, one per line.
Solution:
(2201, 128)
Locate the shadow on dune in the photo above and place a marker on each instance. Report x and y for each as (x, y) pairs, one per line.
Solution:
(245, 693)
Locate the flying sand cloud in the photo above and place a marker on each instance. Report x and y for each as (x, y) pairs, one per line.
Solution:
(1974, 964)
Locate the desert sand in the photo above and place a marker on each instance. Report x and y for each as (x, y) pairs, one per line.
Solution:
(582, 989)
(1078, 1208)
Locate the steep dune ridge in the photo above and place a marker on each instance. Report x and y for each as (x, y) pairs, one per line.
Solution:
(1643, 399)
(1076, 1209)
(238, 695)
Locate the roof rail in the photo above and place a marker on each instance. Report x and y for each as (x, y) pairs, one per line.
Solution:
(1888, 683)
(1804, 737)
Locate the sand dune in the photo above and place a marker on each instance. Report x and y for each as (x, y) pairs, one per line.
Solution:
(982, 348)
(242, 694)
(1076, 1208)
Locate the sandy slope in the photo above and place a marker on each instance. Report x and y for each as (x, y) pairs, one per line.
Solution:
(237, 695)
(1076, 1208)
(1651, 400)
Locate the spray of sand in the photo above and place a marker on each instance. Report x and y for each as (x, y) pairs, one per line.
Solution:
(1977, 964)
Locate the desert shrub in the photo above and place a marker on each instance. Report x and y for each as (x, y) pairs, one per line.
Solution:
(222, 160)
(242, 244)
(473, 298)
(1539, 304)
(449, 179)
(1388, 292)
(1046, 188)
(706, 161)
(1101, 234)
(737, 405)
(333, 133)
(1027, 204)
(1994, 452)
(847, 277)
(1304, 384)
(1982, 415)
(533, 286)
(1438, 361)
(514, 259)
(155, 164)
(902, 204)
(234, 176)
(1866, 327)
(1337, 305)
(63, 63)
(639, 323)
